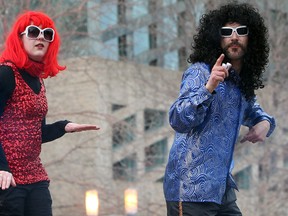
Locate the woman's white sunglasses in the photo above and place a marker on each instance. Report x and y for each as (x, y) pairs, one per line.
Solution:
(33, 32)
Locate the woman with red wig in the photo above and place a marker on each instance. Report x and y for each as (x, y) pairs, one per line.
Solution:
(29, 56)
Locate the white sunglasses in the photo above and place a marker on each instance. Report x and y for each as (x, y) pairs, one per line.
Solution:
(228, 31)
(33, 32)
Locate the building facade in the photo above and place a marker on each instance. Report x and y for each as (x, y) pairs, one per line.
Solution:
(130, 103)
(156, 33)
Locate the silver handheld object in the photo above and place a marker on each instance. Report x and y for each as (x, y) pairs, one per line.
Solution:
(227, 65)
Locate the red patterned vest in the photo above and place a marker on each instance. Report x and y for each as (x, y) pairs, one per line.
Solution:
(20, 131)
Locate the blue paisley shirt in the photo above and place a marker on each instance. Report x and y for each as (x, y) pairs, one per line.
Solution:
(207, 126)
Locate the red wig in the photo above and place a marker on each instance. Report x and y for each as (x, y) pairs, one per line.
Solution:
(15, 52)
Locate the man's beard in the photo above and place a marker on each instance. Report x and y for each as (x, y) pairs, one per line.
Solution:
(236, 53)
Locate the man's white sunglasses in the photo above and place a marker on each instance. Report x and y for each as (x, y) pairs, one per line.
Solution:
(228, 31)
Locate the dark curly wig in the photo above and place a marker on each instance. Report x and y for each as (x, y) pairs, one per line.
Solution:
(207, 48)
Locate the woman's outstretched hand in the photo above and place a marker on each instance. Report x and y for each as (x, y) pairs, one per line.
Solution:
(74, 127)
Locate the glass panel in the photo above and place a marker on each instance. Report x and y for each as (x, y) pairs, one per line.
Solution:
(123, 131)
(126, 169)
(116, 107)
(121, 11)
(168, 30)
(181, 23)
(171, 60)
(140, 40)
(242, 178)
(168, 2)
(152, 6)
(154, 119)
(153, 36)
(286, 160)
(109, 49)
(182, 58)
(155, 154)
(122, 43)
(75, 22)
(153, 62)
(273, 163)
(108, 15)
(139, 8)
(160, 180)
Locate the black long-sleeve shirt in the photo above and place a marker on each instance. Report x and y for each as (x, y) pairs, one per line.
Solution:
(7, 85)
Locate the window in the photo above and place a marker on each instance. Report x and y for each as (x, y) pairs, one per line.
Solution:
(153, 62)
(140, 40)
(153, 119)
(34, 4)
(123, 131)
(153, 36)
(262, 172)
(152, 6)
(273, 162)
(122, 46)
(160, 180)
(169, 30)
(182, 58)
(75, 22)
(139, 8)
(116, 107)
(171, 60)
(285, 159)
(126, 169)
(278, 16)
(242, 178)
(121, 12)
(181, 23)
(107, 14)
(168, 2)
(155, 154)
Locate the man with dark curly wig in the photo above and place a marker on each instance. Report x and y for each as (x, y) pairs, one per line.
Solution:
(217, 96)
